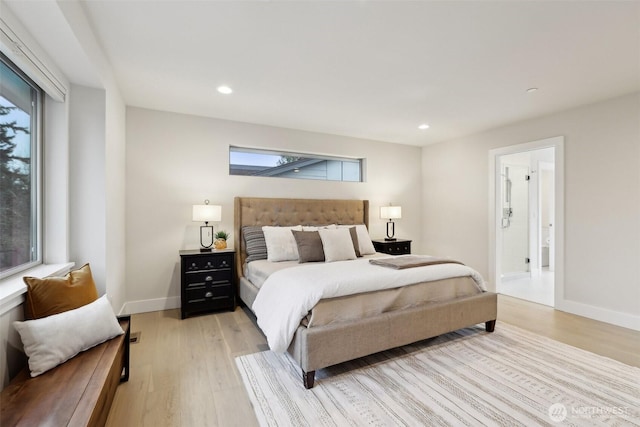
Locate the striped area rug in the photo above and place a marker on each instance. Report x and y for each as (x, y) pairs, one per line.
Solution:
(466, 378)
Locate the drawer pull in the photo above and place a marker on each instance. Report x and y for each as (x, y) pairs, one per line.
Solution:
(208, 278)
(208, 295)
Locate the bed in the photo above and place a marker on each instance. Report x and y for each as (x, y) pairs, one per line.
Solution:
(316, 345)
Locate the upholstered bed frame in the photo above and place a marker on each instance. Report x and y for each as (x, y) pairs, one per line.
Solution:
(318, 347)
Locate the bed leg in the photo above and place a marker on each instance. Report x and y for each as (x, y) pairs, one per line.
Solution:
(308, 378)
(490, 326)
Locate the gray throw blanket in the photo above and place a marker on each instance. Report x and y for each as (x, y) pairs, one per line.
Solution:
(409, 261)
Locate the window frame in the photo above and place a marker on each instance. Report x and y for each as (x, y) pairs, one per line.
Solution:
(37, 197)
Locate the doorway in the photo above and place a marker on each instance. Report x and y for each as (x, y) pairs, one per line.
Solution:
(525, 190)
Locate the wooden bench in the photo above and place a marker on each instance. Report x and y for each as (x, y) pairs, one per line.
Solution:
(78, 392)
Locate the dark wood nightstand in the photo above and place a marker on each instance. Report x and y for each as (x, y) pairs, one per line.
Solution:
(207, 281)
(393, 247)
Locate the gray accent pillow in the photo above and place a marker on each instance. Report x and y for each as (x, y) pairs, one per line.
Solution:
(254, 242)
(354, 238)
(309, 246)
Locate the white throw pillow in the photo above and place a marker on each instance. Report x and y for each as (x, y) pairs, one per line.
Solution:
(364, 240)
(51, 340)
(337, 244)
(281, 245)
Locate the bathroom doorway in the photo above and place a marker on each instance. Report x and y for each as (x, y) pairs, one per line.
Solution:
(524, 188)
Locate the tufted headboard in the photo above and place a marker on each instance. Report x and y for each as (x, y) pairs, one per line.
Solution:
(285, 212)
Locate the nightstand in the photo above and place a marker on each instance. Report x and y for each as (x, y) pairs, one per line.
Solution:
(207, 281)
(393, 247)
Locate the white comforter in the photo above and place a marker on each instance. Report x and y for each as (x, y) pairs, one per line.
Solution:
(288, 295)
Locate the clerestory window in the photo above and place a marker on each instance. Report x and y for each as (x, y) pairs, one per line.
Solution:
(259, 162)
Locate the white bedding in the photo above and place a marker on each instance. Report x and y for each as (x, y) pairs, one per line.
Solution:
(288, 294)
(257, 271)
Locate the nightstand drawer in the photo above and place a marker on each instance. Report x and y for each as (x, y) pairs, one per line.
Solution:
(205, 263)
(393, 247)
(207, 277)
(399, 248)
(210, 291)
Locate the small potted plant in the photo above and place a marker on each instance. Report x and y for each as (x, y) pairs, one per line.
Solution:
(221, 239)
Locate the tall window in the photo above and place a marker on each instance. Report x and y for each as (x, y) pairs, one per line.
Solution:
(20, 105)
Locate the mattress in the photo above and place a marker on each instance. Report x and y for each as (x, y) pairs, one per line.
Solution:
(258, 271)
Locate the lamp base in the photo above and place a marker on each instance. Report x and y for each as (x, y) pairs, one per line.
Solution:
(206, 238)
(391, 231)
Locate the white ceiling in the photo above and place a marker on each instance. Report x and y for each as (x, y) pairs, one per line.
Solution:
(368, 69)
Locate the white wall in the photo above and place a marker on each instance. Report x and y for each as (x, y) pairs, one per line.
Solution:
(56, 182)
(175, 161)
(115, 226)
(602, 203)
(88, 181)
(103, 242)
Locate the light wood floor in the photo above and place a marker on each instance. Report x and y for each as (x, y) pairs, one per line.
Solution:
(183, 371)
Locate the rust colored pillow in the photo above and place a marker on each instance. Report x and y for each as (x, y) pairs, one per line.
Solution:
(53, 295)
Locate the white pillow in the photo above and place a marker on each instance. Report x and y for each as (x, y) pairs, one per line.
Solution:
(337, 244)
(364, 240)
(51, 340)
(281, 245)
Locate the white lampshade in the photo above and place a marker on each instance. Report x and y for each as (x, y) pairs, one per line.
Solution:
(390, 212)
(206, 213)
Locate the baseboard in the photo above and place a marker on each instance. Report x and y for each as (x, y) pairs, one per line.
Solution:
(626, 320)
(145, 306)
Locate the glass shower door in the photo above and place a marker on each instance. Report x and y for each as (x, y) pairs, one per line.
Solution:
(515, 220)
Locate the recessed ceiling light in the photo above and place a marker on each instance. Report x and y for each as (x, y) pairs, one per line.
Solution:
(225, 90)
(532, 89)
(423, 126)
